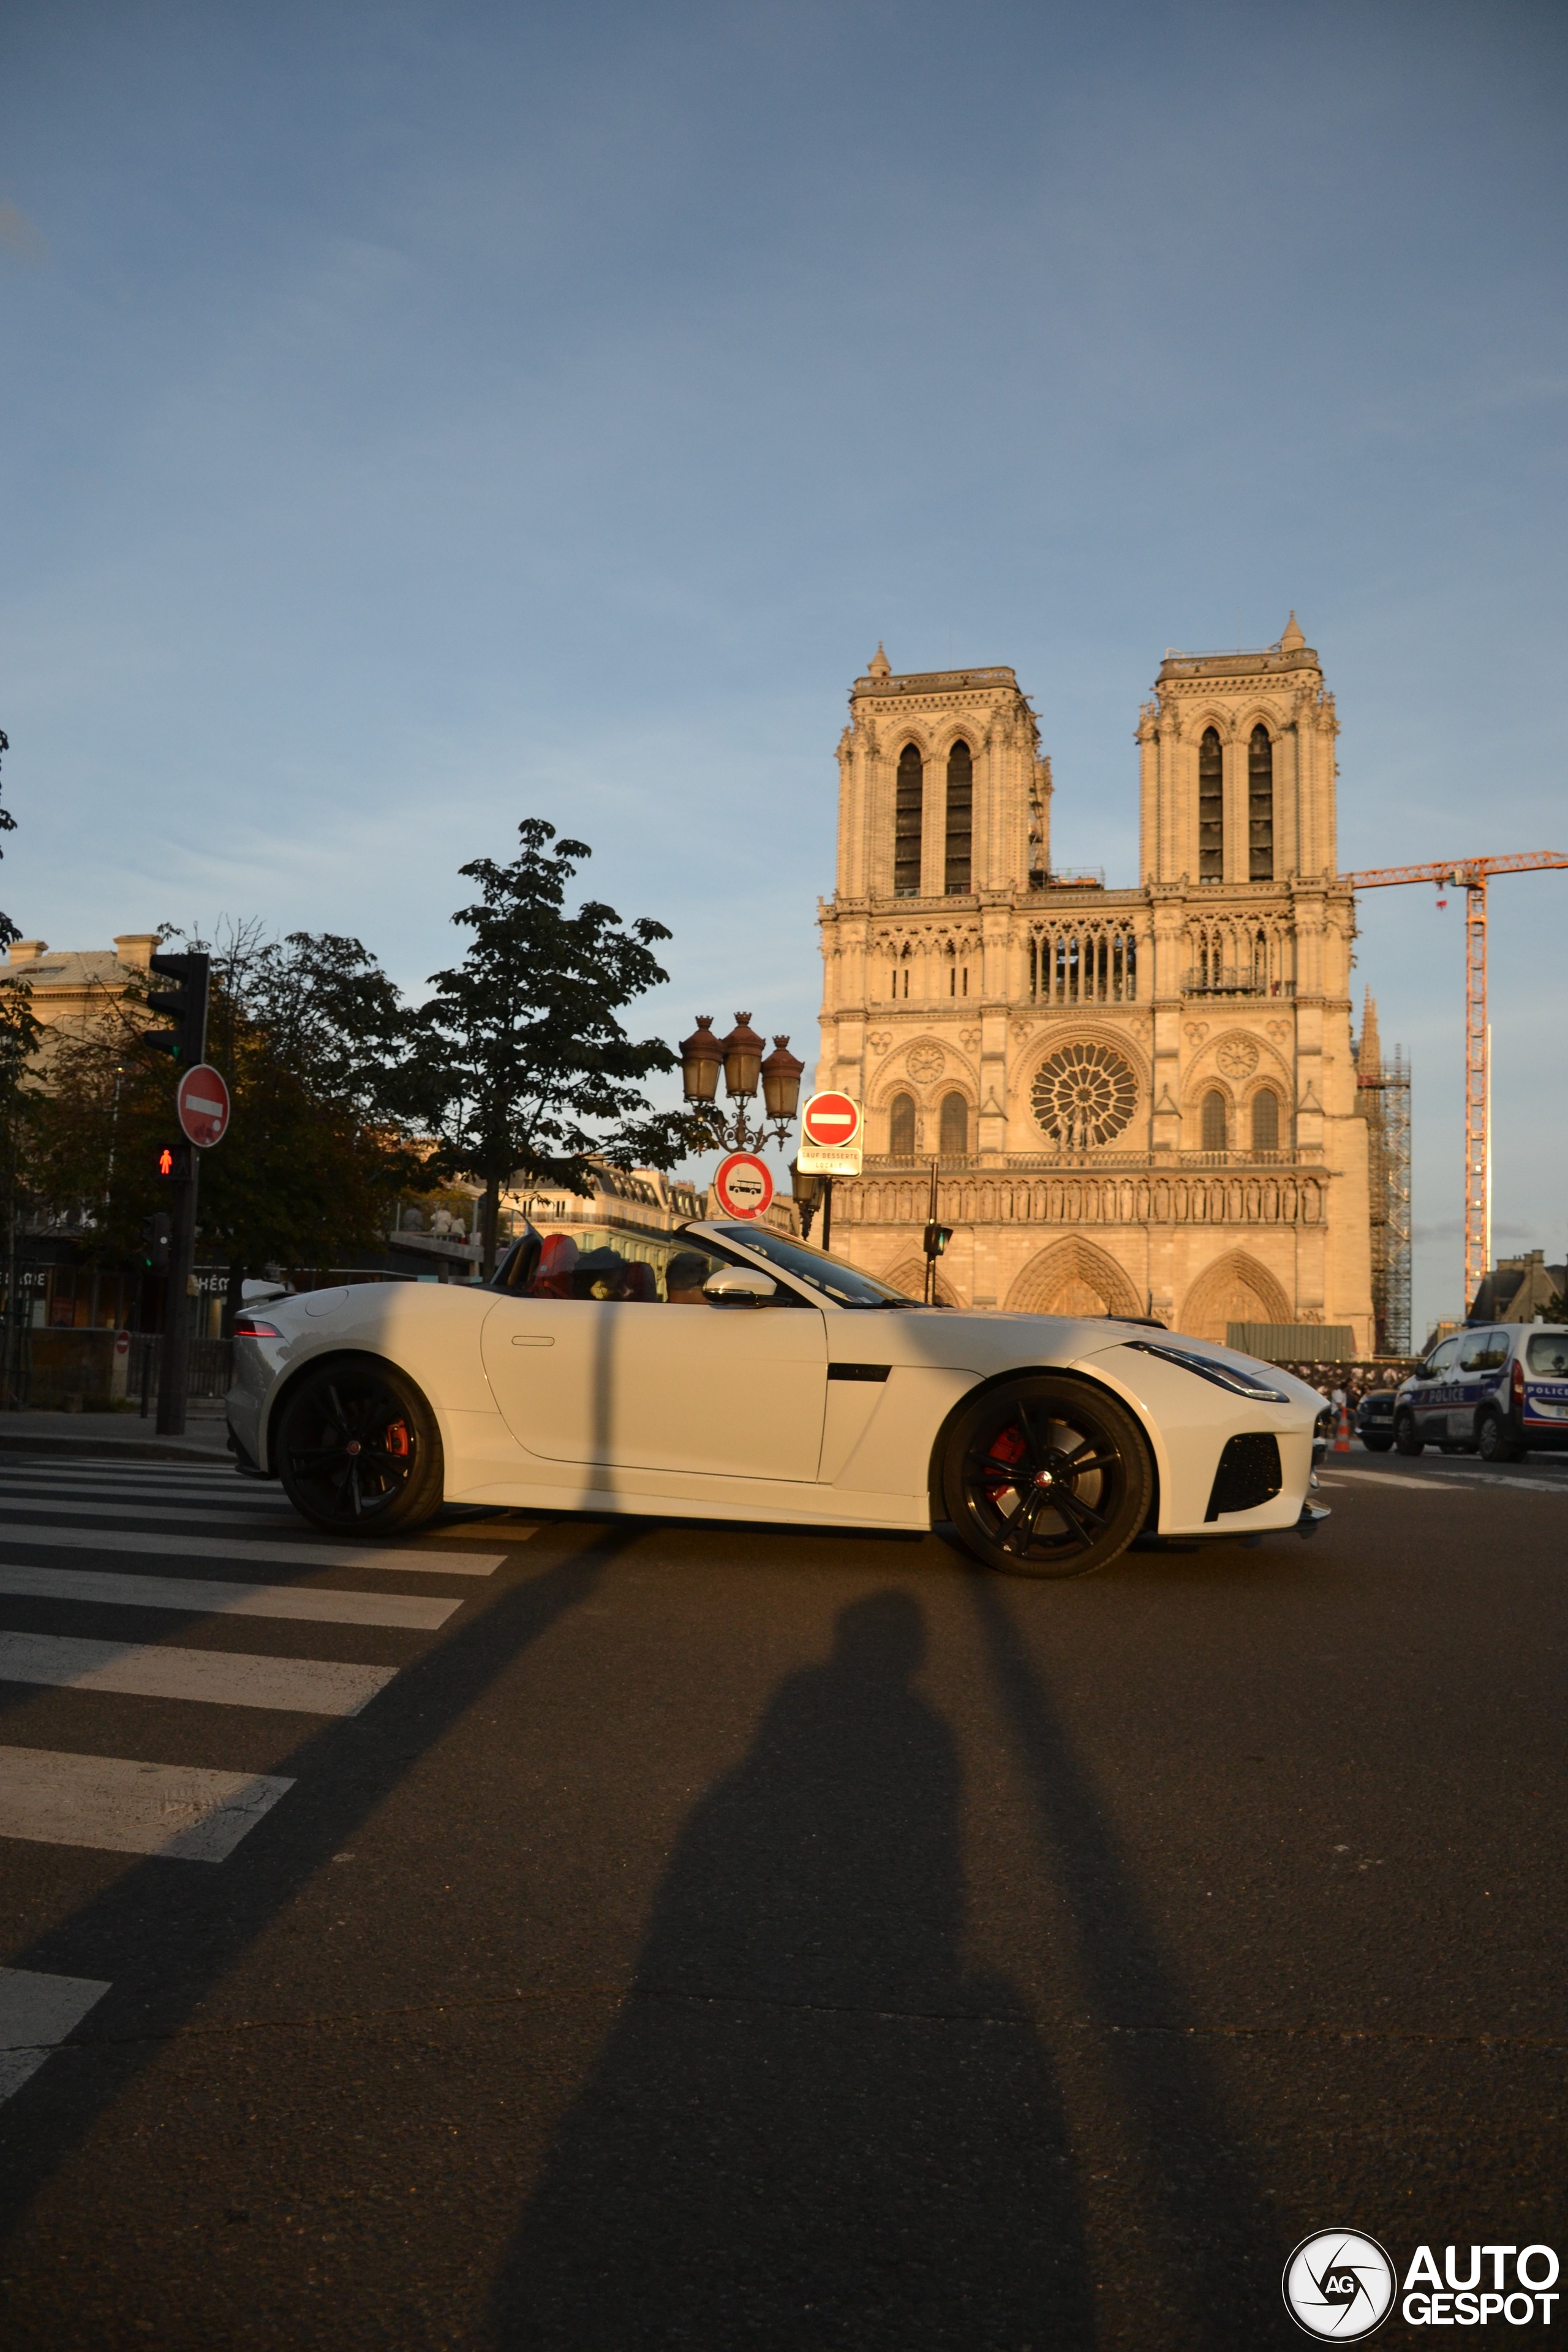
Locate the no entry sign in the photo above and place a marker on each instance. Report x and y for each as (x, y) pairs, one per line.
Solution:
(743, 1185)
(830, 1136)
(201, 1100)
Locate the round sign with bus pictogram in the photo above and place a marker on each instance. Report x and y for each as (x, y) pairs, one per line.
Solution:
(202, 1102)
(744, 1186)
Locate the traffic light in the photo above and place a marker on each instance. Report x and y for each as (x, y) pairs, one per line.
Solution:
(185, 1004)
(157, 1237)
(168, 1165)
(937, 1238)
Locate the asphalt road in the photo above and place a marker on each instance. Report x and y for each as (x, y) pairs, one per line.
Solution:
(718, 1938)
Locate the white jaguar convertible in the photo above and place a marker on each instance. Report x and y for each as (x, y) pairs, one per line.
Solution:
(771, 1383)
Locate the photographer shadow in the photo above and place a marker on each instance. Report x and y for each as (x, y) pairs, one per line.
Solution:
(810, 2126)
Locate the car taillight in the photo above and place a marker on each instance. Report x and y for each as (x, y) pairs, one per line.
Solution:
(1516, 1381)
(248, 1326)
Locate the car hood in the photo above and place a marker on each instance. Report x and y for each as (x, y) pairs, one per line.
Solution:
(987, 1343)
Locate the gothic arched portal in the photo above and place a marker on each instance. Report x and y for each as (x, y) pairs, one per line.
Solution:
(1234, 1290)
(1074, 1277)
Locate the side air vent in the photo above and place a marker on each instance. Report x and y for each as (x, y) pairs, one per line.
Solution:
(1248, 1473)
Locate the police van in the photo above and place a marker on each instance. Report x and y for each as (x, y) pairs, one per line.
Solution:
(1497, 1390)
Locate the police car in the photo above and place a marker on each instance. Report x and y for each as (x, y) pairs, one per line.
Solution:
(1498, 1389)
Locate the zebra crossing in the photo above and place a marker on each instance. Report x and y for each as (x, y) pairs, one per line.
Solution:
(180, 1813)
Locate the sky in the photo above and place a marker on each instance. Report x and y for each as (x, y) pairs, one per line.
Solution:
(417, 418)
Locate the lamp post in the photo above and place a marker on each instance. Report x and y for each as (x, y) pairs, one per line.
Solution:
(741, 1058)
(811, 1193)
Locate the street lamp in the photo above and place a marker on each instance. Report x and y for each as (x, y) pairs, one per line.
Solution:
(740, 1056)
(701, 1059)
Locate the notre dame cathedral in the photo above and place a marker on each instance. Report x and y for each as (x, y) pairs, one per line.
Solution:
(1141, 1101)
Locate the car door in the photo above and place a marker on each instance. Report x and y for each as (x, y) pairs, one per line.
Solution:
(1432, 1400)
(639, 1382)
(1481, 1353)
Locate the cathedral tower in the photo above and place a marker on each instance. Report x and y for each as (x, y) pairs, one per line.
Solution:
(1141, 1100)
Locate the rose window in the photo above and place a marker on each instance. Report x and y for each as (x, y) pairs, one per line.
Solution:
(1084, 1095)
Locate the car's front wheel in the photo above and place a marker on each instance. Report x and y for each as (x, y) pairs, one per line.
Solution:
(1046, 1476)
(358, 1450)
(1378, 1445)
(1407, 1438)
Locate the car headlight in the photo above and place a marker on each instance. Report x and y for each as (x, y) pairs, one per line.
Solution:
(1224, 1376)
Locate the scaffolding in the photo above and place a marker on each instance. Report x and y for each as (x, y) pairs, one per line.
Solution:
(1383, 1099)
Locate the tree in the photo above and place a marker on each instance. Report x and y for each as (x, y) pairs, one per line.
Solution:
(523, 1066)
(306, 1030)
(8, 931)
(19, 1042)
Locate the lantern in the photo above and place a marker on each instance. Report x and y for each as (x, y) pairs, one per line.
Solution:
(701, 1055)
(805, 1188)
(780, 1080)
(743, 1051)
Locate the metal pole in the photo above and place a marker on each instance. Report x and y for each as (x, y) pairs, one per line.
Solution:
(174, 1367)
(827, 1212)
(930, 1221)
(1478, 1091)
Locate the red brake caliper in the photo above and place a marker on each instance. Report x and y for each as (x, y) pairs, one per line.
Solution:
(1007, 1447)
(398, 1438)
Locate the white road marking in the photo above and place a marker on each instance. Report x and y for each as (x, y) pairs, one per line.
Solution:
(1478, 1481)
(36, 2013)
(221, 1677)
(175, 1809)
(244, 1548)
(205, 1514)
(48, 1495)
(122, 1466)
(20, 1483)
(416, 1611)
(1376, 1477)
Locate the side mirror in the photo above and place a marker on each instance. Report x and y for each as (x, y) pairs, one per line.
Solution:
(738, 1285)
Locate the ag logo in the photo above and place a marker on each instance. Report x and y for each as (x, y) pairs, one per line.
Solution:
(1339, 2283)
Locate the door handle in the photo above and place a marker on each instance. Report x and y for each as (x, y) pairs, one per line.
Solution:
(532, 1339)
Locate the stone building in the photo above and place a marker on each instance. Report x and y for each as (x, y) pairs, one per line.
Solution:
(72, 988)
(1142, 1100)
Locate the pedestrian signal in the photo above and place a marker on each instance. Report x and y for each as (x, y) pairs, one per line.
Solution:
(165, 1162)
(937, 1238)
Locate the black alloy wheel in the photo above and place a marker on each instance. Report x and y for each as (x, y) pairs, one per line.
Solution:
(1046, 1476)
(1407, 1438)
(1495, 1441)
(359, 1451)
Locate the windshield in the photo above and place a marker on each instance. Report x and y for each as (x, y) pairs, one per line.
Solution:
(1547, 1355)
(846, 1284)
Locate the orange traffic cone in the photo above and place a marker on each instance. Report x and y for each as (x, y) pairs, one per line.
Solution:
(1342, 1434)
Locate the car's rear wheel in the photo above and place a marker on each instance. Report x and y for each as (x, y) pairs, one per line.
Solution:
(1495, 1442)
(1378, 1445)
(1407, 1438)
(358, 1450)
(1046, 1476)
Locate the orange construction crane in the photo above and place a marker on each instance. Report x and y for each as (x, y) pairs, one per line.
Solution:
(1471, 876)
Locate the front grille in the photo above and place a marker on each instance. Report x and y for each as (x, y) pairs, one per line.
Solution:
(1248, 1473)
